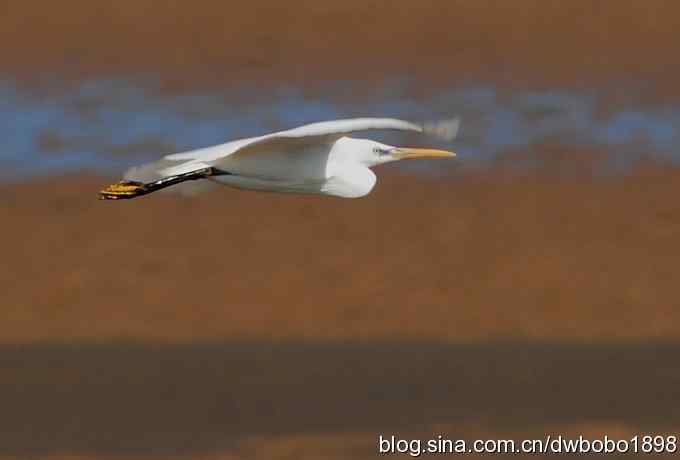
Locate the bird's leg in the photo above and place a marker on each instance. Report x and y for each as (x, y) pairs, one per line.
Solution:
(131, 189)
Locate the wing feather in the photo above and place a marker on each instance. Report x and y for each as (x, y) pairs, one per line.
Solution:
(316, 132)
(320, 132)
(344, 127)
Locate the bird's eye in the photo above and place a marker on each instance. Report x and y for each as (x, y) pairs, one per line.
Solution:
(379, 151)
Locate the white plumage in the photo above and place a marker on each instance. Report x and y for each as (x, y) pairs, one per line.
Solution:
(318, 158)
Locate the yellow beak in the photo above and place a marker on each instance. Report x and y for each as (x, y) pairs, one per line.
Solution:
(402, 153)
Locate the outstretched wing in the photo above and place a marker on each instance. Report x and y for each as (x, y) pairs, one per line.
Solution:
(315, 133)
(345, 127)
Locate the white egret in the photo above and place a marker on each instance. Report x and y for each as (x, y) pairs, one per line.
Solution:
(319, 158)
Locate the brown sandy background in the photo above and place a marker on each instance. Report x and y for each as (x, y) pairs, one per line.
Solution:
(470, 257)
(495, 303)
(211, 42)
(245, 325)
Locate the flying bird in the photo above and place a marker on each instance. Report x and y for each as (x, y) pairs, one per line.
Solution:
(319, 158)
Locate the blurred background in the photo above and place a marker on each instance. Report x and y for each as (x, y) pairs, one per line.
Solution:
(529, 288)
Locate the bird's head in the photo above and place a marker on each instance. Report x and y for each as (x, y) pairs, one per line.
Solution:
(371, 153)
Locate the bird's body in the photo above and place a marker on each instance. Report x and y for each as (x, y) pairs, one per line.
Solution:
(319, 158)
(324, 168)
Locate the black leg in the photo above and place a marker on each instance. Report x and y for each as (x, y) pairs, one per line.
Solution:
(130, 189)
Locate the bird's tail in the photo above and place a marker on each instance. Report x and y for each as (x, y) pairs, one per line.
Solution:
(159, 169)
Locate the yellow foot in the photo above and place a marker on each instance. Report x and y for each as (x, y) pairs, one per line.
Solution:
(122, 190)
